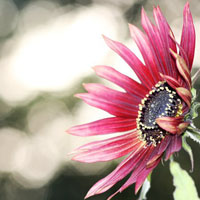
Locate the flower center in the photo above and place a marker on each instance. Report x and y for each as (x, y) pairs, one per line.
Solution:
(162, 101)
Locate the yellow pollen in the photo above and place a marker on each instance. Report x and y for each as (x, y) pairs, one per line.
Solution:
(180, 111)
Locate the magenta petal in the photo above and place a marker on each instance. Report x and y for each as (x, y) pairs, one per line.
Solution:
(166, 34)
(144, 173)
(139, 165)
(111, 95)
(164, 144)
(146, 50)
(108, 149)
(118, 140)
(162, 53)
(183, 69)
(171, 124)
(104, 126)
(162, 24)
(148, 162)
(141, 71)
(188, 34)
(174, 146)
(171, 81)
(111, 107)
(124, 168)
(125, 82)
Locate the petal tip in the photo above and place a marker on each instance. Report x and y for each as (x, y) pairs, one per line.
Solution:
(78, 95)
(106, 39)
(96, 67)
(131, 27)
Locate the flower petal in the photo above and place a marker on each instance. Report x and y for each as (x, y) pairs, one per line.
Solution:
(188, 34)
(171, 81)
(144, 173)
(139, 68)
(104, 92)
(164, 144)
(124, 168)
(159, 46)
(107, 149)
(146, 50)
(104, 126)
(125, 82)
(109, 106)
(182, 68)
(166, 36)
(173, 125)
(175, 146)
(139, 166)
(185, 95)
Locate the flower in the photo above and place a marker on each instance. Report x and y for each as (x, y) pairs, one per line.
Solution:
(150, 114)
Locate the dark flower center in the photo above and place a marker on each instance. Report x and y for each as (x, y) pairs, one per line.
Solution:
(162, 101)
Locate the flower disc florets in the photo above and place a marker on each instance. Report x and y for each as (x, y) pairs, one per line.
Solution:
(162, 101)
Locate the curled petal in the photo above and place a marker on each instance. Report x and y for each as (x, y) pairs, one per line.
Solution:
(182, 68)
(171, 81)
(185, 94)
(173, 125)
(183, 126)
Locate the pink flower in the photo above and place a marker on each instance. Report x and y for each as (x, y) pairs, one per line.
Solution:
(151, 113)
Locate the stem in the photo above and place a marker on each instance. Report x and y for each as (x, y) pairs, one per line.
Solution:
(195, 77)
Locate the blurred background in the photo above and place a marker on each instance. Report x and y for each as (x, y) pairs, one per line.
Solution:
(47, 49)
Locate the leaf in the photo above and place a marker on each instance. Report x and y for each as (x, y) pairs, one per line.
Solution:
(184, 185)
(145, 188)
(188, 149)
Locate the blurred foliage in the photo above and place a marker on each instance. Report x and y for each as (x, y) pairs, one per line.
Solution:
(16, 117)
(133, 13)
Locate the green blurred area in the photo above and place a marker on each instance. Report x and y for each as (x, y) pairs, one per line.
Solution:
(68, 183)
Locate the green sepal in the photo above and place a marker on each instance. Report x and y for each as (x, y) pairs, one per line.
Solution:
(145, 188)
(184, 185)
(193, 110)
(194, 94)
(195, 136)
